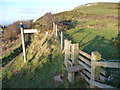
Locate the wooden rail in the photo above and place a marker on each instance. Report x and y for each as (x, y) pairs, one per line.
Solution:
(86, 73)
(85, 66)
(84, 60)
(86, 78)
(101, 85)
(85, 54)
(70, 62)
(108, 64)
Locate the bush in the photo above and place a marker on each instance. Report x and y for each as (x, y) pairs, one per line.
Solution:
(11, 32)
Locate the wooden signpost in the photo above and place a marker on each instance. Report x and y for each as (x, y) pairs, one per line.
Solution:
(23, 39)
(30, 30)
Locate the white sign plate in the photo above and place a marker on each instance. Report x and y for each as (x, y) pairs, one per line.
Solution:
(30, 30)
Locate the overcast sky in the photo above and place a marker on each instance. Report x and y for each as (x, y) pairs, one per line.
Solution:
(13, 10)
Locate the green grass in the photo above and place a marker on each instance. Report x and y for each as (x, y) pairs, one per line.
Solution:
(94, 31)
(40, 69)
(11, 55)
(31, 75)
(100, 9)
(96, 28)
(38, 74)
(95, 40)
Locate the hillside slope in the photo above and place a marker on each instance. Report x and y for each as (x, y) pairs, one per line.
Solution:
(42, 57)
(94, 27)
(44, 61)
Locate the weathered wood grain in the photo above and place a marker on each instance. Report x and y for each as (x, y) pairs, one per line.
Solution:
(84, 60)
(85, 54)
(74, 68)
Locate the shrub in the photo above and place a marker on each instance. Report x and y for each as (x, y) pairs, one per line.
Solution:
(11, 32)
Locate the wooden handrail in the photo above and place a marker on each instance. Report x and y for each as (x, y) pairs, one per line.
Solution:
(108, 64)
(84, 60)
(86, 78)
(84, 65)
(85, 54)
(86, 73)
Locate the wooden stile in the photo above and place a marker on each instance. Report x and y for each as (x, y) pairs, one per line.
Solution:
(90, 63)
(73, 69)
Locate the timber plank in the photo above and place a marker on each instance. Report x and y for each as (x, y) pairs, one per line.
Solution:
(74, 68)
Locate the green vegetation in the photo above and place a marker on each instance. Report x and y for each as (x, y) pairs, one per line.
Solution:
(6, 58)
(11, 55)
(95, 40)
(95, 28)
(100, 9)
(44, 61)
(37, 74)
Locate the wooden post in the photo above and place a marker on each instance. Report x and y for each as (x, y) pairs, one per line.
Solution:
(95, 56)
(53, 27)
(23, 43)
(74, 57)
(56, 31)
(92, 70)
(71, 77)
(75, 53)
(67, 52)
(62, 40)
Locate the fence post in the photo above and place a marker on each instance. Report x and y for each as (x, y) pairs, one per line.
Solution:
(75, 53)
(62, 40)
(67, 52)
(74, 58)
(56, 31)
(53, 27)
(95, 56)
(23, 43)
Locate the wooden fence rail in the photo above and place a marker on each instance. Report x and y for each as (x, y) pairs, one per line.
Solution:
(73, 56)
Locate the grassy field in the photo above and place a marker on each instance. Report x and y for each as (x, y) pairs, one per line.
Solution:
(95, 29)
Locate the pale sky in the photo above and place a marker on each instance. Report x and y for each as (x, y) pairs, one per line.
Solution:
(13, 10)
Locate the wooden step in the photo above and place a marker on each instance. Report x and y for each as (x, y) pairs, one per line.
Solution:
(74, 68)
